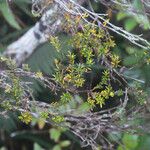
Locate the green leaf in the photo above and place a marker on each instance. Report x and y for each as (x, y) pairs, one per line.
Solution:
(55, 134)
(65, 143)
(122, 148)
(57, 147)
(8, 15)
(130, 141)
(121, 16)
(130, 24)
(43, 60)
(37, 147)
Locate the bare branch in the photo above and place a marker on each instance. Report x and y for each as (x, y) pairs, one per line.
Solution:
(51, 23)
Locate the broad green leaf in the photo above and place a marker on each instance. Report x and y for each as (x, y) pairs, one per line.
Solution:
(130, 24)
(8, 15)
(55, 134)
(130, 141)
(57, 147)
(122, 148)
(65, 143)
(37, 147)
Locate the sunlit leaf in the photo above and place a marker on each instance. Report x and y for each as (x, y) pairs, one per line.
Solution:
(37, 147)
(56, 147)
(130, 141)
(65, 143)
(130, 24)
(55, 134)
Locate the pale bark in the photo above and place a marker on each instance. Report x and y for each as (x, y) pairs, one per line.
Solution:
(51, 23)
(21, 49)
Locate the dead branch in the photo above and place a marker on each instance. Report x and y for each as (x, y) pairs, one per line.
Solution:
(51, 22)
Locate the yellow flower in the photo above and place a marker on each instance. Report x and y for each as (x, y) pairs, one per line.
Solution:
(39, 74)
(67, 78)
(25, 117)
(112, 94)
(115, 60)
(58, 119)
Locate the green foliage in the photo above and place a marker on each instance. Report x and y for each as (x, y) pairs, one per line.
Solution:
(58, 119)
(91, 43)
(130, 142)
(70, 69)
(89, 40)
(37, 147)
(43, 60)
(140, 95)
(65, 98)
(55, 135)
(130, 24)
(132, 20)
(101, 97)
(55, 42)
(72, 74)
(13, 88)
(8, 14)
(25, 117)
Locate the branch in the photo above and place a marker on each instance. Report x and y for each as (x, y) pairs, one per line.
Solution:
(51, 23)
(21, 49)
